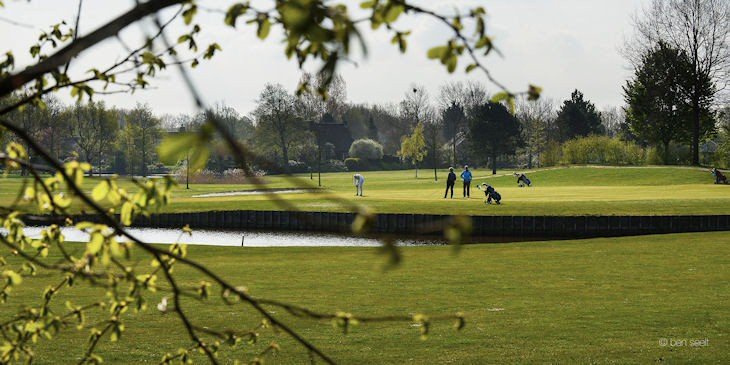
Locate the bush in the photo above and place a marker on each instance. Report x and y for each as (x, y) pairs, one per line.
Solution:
(333, 166)
(601, 150)
(297, 167)
(721, 158)
(552, 154)
(353, 164)
(678, 155)
(366, 149)
(229, 176)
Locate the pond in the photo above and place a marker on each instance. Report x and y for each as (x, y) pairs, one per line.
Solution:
(243, 238)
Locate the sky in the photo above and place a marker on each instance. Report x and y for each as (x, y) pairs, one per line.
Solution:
(559, 45)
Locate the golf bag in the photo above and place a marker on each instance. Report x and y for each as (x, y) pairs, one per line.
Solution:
(490, 193)
(522, 180)
(720, 178)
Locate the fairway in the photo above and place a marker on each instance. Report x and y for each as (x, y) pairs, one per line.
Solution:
(556, 191)
(581, 301)
(560, 191)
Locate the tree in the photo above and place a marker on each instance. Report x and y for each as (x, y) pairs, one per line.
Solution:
(29, 119)
(413, 147)
(577, 118)
(453, 121)
(314, 30)
(658, 97)
(239, 126)
(143, 134)
(722, 157)
(414, 105)
(318, 98)
(433, 125)
(278, 125)
(536, 118)
(611, 118)
(494, 131)
(465, 94)
(92, 127)
(366, 149)
(699, 28)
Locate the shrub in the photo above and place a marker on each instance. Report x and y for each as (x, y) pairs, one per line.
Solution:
(721, 158)
(678, 155)
(353, 164)
(229, 176)
(334, 166)
(366, 149)
(552, 154)
(601, 150)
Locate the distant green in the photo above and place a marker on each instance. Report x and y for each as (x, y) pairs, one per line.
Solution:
(578, 190)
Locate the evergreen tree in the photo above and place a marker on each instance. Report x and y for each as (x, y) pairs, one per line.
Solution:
(494, 131)
(577, 118)
(659, 104)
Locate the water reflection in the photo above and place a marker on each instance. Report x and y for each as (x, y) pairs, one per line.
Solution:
(238, 238)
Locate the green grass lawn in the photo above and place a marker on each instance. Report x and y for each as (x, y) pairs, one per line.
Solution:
(581, 301)
(558, 191)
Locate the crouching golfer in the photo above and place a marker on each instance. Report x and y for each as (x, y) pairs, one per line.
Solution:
(359, 181)
(522, 179)
(450, 181)
(490, 193)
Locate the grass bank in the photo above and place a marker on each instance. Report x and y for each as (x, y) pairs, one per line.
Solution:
(581, 301)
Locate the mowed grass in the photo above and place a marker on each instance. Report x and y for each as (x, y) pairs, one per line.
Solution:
(556, 191)
(581, 301)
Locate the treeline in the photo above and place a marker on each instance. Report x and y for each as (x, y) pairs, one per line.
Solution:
(459, 125)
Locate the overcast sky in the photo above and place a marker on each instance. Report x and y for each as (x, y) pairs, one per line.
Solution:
(559, 45)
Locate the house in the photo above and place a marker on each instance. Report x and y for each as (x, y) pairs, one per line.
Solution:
(334, 138)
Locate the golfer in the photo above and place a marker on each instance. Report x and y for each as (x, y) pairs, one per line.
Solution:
(450, 181)
(359, 181)
(466, 176)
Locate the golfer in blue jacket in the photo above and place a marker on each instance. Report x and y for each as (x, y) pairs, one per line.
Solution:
(466, 176)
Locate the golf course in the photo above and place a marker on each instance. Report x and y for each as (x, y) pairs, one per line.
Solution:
(643, 299)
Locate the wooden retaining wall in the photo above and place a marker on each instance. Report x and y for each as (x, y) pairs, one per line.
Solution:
(429, 224)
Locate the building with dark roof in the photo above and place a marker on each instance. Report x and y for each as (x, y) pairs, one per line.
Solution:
(329, 132)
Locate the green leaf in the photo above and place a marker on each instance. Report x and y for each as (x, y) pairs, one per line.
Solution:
(511, 104)
(95, 243)
(533, 92)
(264, 28)
(500, 96)
(100, 191)
(483, 42)
(12, 277)
(393, 13)
(235, 11)
(451, 63)
(471, 67)
(437, 52)
(174, 148)
(211, 50)
(189, 13)
(126, 213)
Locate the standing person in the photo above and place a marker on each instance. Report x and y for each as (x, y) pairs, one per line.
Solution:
(359, 181)
(466, 176)
(450, 181)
